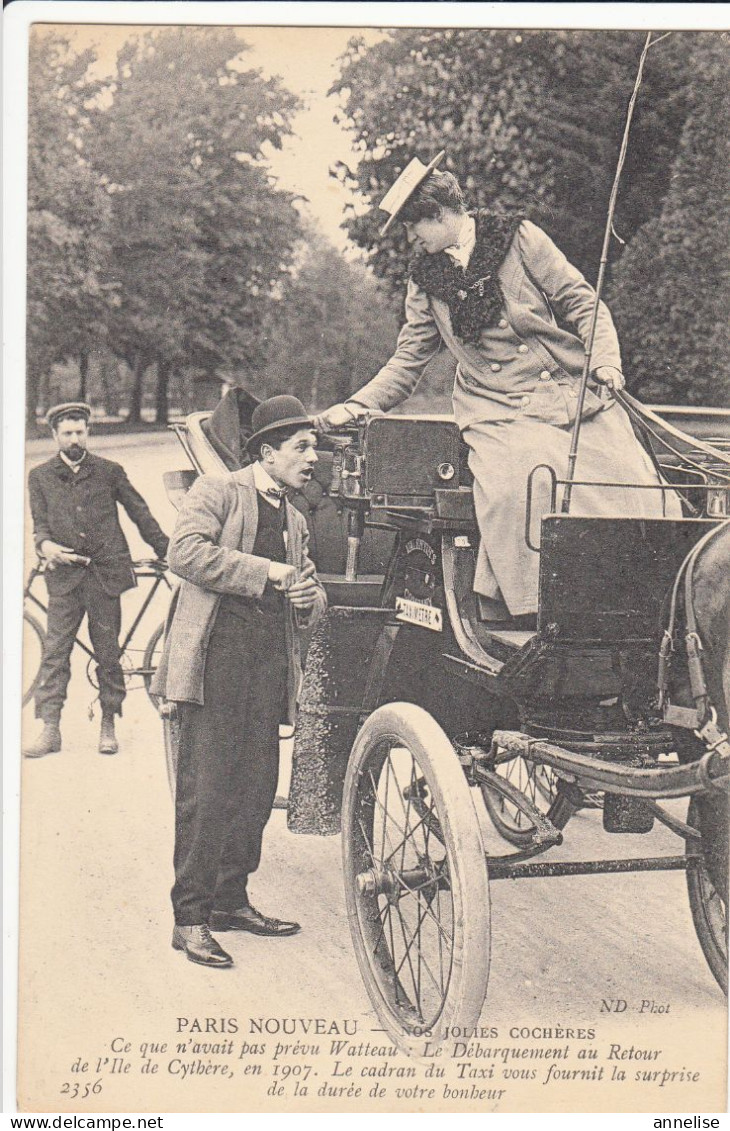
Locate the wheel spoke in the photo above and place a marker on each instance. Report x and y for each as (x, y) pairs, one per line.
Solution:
(420, 954)
(368, 849)
(423, 821)
(449, 938)
(386, 815)
(410, 964)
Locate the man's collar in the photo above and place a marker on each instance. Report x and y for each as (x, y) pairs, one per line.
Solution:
(73, 465)
(267, 486)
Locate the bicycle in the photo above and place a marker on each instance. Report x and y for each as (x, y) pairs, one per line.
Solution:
(34, 634)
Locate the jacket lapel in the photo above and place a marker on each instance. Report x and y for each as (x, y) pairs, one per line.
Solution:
(249, 512)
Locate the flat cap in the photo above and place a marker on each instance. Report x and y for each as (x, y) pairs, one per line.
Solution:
(59, 412)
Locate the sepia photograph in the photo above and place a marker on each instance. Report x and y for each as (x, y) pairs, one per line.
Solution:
(367, 561)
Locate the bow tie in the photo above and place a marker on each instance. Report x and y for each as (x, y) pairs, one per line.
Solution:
(275, 493)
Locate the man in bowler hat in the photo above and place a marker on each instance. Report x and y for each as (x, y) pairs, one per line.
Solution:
(73, 501)
(231, 663)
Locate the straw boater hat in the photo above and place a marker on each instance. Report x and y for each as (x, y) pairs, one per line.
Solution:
(412, 176)
(71, 408)
(277, 412)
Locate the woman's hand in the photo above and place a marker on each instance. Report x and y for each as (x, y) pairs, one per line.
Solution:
(338, 415)
(609, 376)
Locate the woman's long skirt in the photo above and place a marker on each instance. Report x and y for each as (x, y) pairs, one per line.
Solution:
(502, 455)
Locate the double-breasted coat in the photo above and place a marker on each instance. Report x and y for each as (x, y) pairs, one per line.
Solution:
(210, 550)
(515, 399)
(79, 510)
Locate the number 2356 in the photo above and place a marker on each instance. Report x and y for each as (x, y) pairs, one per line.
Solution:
(81, 1091)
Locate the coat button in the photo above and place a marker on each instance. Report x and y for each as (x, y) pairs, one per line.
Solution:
(495, 367)
(503, 323)
(522, 348)
(545, 375)
(524, 401)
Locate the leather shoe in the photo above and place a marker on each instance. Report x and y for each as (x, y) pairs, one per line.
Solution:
(249, 919)
(200, 946)
(107, 738)
(47, 742)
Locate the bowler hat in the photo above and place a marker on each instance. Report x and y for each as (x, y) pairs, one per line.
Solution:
(59, 412)
(283, 411)
(401, 190)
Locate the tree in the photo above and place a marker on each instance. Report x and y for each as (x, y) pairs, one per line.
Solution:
(200, 236)
(332, 330)
(530, 120)
(66, 297)
(671, 292)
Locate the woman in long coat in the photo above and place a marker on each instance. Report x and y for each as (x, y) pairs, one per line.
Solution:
(516, 315)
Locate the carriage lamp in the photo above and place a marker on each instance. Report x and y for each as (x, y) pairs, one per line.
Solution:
(446, 472)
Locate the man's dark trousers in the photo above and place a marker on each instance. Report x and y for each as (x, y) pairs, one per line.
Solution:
(228, 763)
(65, 614)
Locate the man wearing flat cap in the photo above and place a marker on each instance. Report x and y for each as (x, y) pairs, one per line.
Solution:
(73, 500)
(231, 663)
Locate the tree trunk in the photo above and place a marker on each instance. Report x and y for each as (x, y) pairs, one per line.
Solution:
(110, 387)
(135, 397)
(83, 374)
(164, 370)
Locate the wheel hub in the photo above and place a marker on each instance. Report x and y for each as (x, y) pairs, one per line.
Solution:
(382, 880)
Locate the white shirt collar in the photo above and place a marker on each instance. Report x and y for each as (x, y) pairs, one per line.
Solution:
(263, 483)
(75, 465)
(461, 250)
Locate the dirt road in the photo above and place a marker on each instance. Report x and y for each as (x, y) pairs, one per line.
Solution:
(96, 964)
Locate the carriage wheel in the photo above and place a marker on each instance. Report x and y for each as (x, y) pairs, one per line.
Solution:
(538, 783)
(151, 661)
(416, 879)
(707, 881)
(34, 645)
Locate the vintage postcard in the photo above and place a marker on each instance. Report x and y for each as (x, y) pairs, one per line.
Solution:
(373, 518)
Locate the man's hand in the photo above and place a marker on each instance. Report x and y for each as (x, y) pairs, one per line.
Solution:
(282, 576)
(303, 593)
(609, 376)
(338, 415)
(56, 555)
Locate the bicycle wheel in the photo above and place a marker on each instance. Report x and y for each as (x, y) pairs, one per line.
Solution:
(34, 645)
(151, 661)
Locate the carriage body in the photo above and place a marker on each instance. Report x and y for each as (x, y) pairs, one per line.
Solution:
(412, 707)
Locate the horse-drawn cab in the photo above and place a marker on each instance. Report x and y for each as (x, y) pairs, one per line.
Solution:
(419, 719)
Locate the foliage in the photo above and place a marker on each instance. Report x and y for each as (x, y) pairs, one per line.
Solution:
(332, 330)
(164, 175)
(529, 120)
(671, 292)
(66, 298)
(200, 236)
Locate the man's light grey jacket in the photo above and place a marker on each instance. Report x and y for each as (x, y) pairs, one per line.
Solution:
(210, 550)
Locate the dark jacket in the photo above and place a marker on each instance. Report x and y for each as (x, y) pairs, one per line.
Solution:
(79, 510)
